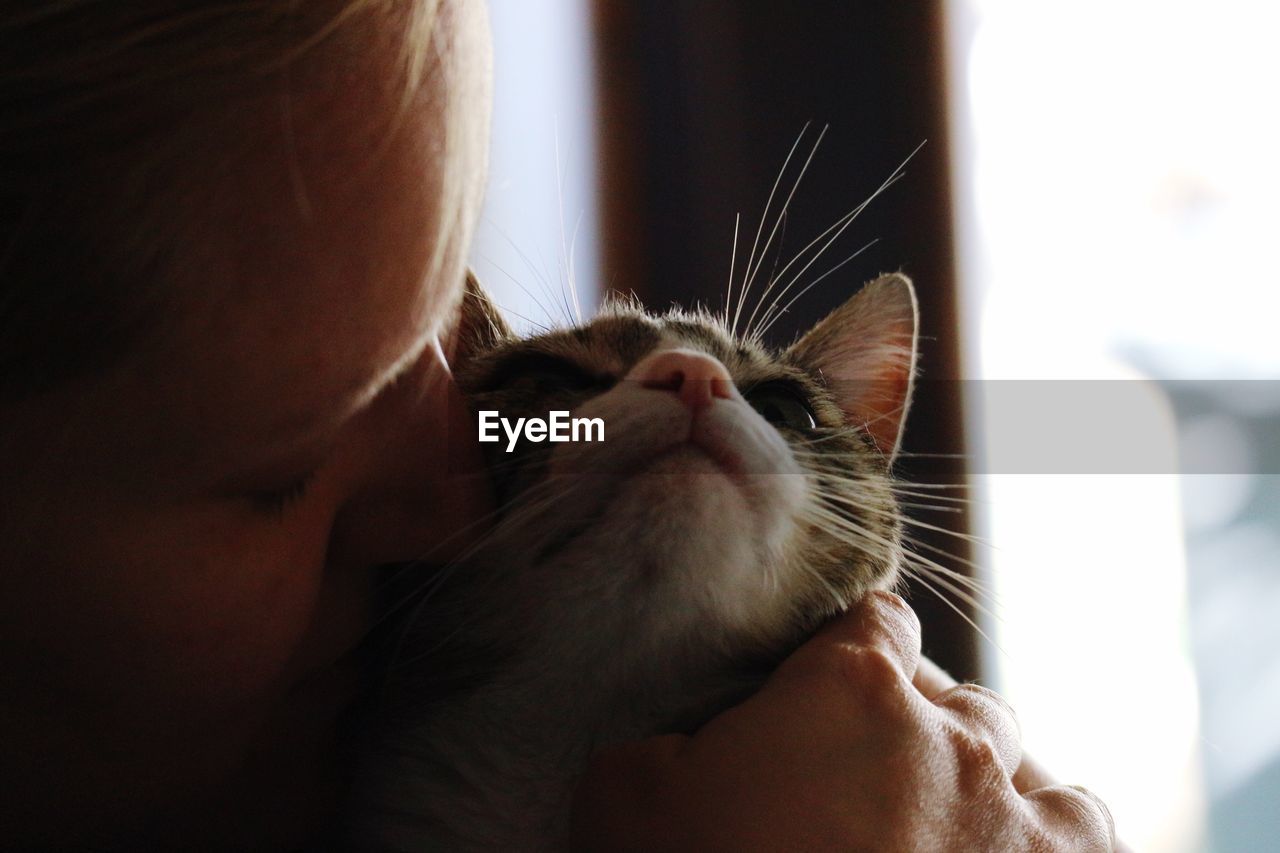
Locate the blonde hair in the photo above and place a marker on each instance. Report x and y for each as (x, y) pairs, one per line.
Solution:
(101, 103)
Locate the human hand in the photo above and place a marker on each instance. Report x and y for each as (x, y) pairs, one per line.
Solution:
(840, 751)
(932, 681)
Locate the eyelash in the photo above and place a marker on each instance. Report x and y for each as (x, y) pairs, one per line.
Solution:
(276, 502)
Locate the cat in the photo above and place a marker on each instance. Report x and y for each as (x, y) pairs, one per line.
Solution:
(640, 585)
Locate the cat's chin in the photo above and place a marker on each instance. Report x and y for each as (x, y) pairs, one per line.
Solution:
(687, 490)
(688, 459)
(722, 474)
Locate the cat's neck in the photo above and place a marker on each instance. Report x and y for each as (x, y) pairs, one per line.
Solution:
(495, 766)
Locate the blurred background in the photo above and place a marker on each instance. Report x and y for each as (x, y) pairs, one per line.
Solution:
(1089, 225)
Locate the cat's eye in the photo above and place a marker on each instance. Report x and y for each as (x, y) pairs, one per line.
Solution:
(547, 371)
(781, 405)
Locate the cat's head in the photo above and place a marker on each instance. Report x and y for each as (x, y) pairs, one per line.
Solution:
(738, 490)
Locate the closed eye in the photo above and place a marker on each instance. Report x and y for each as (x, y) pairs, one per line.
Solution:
(781, 404)
(276, 502)
(548, 371)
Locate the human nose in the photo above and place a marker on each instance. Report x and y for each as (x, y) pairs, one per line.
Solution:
(696, 378)
(425, 493)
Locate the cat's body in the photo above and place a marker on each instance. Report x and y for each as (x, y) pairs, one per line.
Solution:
(642, 584)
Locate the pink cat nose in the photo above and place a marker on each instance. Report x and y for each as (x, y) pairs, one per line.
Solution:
(695, 377)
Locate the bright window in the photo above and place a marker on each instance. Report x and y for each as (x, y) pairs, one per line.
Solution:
(539, 222)
(1118, 188)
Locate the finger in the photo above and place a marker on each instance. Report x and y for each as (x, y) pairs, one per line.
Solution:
(986, 715)
(861, 662)
(1031, 776)
(931, 679)
(881, 621)
(1074, 817)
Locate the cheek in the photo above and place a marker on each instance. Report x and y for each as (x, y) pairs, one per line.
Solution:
(239, 612)
(188, 614)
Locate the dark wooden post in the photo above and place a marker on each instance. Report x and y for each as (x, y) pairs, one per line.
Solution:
(700, 101)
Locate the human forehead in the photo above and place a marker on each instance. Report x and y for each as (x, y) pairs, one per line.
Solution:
(322, 267)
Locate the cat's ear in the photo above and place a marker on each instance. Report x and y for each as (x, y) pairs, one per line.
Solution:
(865, 353)
(481, 326)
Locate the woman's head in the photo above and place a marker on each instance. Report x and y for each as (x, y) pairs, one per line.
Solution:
(122, 122)
(233, 237)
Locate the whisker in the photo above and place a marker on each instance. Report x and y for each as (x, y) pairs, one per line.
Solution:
(532, 323)
(939, 486)
(971, 538)
(542, 327)
(928, 586)
(558, 293)
(851, 526)
(733, 258)
(960, 577)
(763, 216)
(573, 276)
(855, 504)
(770, 317)
(542, 280)
(841, 600)
(930, 507)
(566, 252)
(905, 489)
(919, 454)
(957, 590)
(839, 228)
(794, 187)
